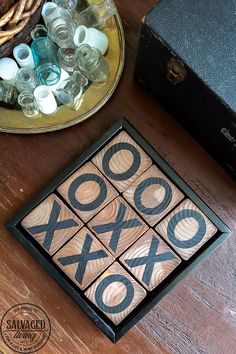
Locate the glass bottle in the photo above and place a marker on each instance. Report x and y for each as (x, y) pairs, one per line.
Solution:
(60, 25)
(71, 89)
(26, 80)
(68, 58)
(96, 15)
(45, 57)
(92, 64)
(70, 5)
(28, 104)
(8, 93)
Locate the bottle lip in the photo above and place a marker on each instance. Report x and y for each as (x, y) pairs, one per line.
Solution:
(24, 95)
(46, 7)
(92, 59)
(42, 93)
(18, 49)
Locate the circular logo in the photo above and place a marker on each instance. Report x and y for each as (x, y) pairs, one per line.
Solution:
(25, 328)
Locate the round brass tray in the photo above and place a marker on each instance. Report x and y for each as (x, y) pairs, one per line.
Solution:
(13, 121)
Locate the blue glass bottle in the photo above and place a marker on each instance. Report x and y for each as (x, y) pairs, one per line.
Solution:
(45, 58)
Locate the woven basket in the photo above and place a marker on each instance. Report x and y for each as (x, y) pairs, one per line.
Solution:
(17, 19)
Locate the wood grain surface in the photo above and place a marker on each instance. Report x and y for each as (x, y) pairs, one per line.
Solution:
(199, 315)
(150, 260)
(115, 293)
(51, 223)
(153, 195)
(186, 229)
(87, 191)
(122, 161)
(83, 258)
(117, 226)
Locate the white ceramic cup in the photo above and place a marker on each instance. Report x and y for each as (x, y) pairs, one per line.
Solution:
(23, 55)
(45, 99)
(91, 36)
(8, 70)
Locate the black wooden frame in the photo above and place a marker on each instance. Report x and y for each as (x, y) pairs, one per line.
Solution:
(112, 331)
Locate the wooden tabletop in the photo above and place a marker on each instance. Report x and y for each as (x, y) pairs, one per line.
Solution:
(199, 315)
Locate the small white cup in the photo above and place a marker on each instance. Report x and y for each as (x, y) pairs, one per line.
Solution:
(91, 36)
(45, 99)
(8, 70)
(23, 55)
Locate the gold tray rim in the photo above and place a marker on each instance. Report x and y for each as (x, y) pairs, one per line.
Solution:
(91, 112)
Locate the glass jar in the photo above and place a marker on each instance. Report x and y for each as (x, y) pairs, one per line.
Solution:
(8, 93)
(70, 5)
(96, 15)
(70, 90)
(28, 104)
(26, 80)
(68, 58)
(60, 25)
(92, 64)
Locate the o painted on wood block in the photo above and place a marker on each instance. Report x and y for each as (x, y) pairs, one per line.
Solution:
(122, 161)
(179, 217)
(87, 191)
(186, 229)
(142, 188)
(153, 195)
(110, 279)
(96, 203)
(115, 293)
(130, 171)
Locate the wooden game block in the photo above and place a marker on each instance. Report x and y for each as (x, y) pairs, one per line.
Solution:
(186, 229)
(150, 260)
(83, 258)
(87, 191)
(117, 226)
(153, 195)
(51, 223)
(122, 161)
(115, 293)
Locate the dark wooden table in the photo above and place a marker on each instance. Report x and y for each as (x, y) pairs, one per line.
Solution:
(199, 315)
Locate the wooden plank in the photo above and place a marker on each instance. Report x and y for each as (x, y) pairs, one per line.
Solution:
(51, 223)
(117, 226)
(186, 229)
(83, 258)
(150, 260)
(153, 195)
(122, 161)
(115, 293)
(87, 191)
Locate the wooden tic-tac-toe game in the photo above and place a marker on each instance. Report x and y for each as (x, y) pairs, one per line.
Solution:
(118, 229)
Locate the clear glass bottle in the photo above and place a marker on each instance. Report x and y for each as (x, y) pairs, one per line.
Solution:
(28, 104)
(8, 93)
(96, 15)
(26, 80)
(68, 58)
(92, 64)
(60, 25)
(70, 5)
(71, 89)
